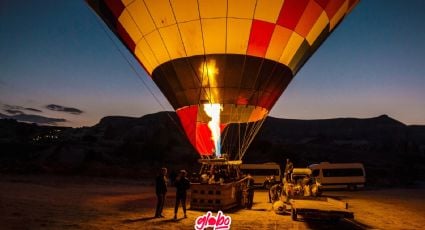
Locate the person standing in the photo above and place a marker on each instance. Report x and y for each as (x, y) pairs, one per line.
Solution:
(275, 192)
(250, 191)
(182, 185)
(288, 170)
(161, 191)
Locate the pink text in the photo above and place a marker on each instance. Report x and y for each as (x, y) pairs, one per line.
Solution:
(219, 222)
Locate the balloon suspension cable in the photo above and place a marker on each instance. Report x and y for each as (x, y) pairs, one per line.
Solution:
(138, 75)
(256, 128)
(240, 135)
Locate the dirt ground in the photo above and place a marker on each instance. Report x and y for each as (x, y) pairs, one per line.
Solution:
(53, 202)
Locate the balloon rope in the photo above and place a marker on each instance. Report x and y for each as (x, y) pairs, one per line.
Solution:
(224, 137)
(137, 73)
(242, 149)
(238, 138)
(252, 135)
(248, 127)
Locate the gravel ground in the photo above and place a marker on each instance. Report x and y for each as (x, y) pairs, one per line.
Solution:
(54, 202)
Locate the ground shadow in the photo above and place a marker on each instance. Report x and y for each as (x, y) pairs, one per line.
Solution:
(338, 197)
(260, 209)
(334, 224)
(172, 220)
(138, 219)
(135, 204)
(162, 220)
(235, 210)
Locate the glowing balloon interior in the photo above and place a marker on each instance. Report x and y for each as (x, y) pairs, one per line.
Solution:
(222, 64)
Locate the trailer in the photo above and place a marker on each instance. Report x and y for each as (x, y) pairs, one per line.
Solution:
(319, 208)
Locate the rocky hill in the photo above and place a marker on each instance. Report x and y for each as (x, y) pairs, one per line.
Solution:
(392, 152)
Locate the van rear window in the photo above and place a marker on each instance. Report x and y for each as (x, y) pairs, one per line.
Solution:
(342, 172)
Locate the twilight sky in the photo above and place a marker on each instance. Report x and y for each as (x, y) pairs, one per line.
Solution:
(58, 65)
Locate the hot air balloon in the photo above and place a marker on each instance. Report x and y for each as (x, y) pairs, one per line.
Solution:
(222, 64)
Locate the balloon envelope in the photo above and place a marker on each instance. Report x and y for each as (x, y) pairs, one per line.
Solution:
(239, 54)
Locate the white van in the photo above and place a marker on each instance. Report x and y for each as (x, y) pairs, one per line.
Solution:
(260, 171)
(339, 175)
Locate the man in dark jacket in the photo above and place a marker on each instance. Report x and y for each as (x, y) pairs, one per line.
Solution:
(288, 170)
(250, 191)
(160, 190)
(182, 185)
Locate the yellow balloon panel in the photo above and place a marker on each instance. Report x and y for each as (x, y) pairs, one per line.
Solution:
(174, 43)
(157, 46)
(241, 9)
(130, 26)
(161, 12)
(237, 35)
(212, 8)
(185, 10)
(214, 31)
(141, 57)
(191, 35)
(268, 10)
(141, 16)
(278, 42)
(291, 48)
(146, 56)
(318, 27)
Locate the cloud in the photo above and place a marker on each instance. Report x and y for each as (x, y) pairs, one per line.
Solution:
(13, 107)
(16, 109)
(33, 119)
(61, 108)
(33, 110)
(14, 112)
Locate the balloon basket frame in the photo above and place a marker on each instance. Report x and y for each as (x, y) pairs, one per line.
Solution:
(220, 186)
